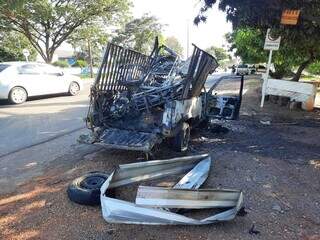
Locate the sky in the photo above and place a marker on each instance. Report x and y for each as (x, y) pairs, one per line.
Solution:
(178, 14)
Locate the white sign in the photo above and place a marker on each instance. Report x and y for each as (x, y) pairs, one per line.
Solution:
(26, 52)
(271, 43)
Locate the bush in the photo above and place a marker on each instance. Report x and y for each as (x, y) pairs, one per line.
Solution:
(61, 63)
(281, 71)
(80, 63)
(6, 56)
(314, 68)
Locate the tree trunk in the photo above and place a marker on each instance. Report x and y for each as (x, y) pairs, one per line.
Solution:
(49, 58)
(300, 69)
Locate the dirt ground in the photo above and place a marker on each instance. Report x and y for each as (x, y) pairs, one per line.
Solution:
(277, 166)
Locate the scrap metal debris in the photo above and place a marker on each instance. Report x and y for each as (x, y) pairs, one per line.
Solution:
(276, 207)
(217, 128)
(224, 126)
(242, 212)
(156, 205)
(263, 122)
(253, 230)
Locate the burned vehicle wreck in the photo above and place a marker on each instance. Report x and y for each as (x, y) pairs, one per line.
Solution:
(137, 101)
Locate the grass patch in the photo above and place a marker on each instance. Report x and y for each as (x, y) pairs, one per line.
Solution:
(87, 76)
(310, 78)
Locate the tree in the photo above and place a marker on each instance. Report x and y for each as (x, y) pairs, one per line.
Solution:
(173, 43)
(89, 41)
(249, 42)
(301, 40)
(11, 46)
(314, 68)
(248, 45)
(139, 33)
(48, 23)
(219, 53)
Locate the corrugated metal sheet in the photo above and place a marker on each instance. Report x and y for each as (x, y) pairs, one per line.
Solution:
(150, 200)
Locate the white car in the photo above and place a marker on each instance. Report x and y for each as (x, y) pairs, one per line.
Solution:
(243, 69)
(20, 80)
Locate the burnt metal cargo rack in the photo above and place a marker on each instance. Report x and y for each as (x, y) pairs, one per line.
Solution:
(122, 84)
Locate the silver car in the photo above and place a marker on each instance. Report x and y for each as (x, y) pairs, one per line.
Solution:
(243, 69)
(20, 80)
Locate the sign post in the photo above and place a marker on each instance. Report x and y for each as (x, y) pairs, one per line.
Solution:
(271, 44)
(26, 54)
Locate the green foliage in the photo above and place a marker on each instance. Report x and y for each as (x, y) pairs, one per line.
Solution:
(314, 68)
(80, 63)
(11, 46)
(61, 63)
(94, 32)
(91, 36)
(299, 45)
(6, 56)
(139, 33)
(50, 23)
(219, 53)
(173, 43)
(249, 42)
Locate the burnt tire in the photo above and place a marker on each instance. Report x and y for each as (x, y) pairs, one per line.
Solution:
(180, 142)
(85, 190)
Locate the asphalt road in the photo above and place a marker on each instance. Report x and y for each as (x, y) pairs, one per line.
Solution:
(37, 132)
(40, 119)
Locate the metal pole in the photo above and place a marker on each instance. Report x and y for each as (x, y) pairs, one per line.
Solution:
(90, 59)
(265, 81)
(269, 64)
(188, 39)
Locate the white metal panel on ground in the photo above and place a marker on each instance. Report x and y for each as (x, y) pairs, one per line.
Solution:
(142, 171)
(186, 198)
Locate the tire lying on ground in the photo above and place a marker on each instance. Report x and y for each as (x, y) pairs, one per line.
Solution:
(180, 142)
(85, 190)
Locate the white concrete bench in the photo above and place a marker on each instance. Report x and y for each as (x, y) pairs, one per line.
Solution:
(296, 91)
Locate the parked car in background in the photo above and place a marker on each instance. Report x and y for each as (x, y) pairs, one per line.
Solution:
(20, 80)
(261, 69)
(242, 69)
(252, 69)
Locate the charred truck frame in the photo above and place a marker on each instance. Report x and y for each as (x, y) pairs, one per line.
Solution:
(137, 101)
